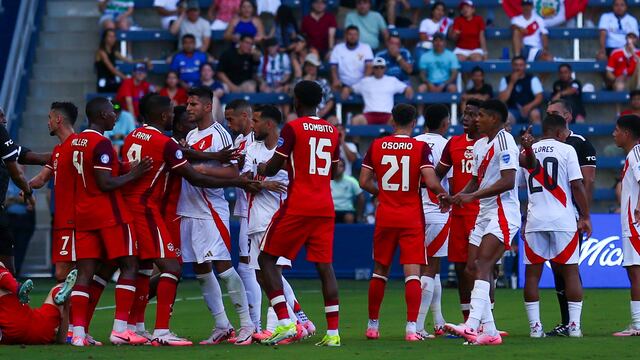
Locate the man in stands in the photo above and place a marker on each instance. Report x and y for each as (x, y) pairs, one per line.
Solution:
(188, 61)
(570, 90)
(370, 23)
(319, 27)
(438, 68)
(529, 30)
(306, 218)
(622, 65)
(634, 103)
(398, 59)
(133, 89)
(237, 66)
(350, 61)
(522, 92)
(614, 26)
(190, 22)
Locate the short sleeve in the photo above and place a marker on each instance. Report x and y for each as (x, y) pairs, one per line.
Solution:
(503, 85)
(398, 85)
(536, 85)
(611, 62)
(455, 63)
(407, 56)
(543, 27)
(382, 25)
(426, 158)
(481, 24)
(205, 28)
(355, 186)
(103, 156)
(457, 24)
(349, 19)
(8, 149)
(173, 155)
(573, 167)
(175, 63)
(587, 155)
(357, 87)
(635, 166)
(49, 163)
(368, 53)
(353, 147)
(423, 26)
(602, 24)
(333, 60)
(367, 162)
(287, 140)
(332, 20)
(508, 158)
(335, 157)
(422, 62)
(445, 158)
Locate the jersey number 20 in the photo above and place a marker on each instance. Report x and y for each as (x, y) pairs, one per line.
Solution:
(550, 182)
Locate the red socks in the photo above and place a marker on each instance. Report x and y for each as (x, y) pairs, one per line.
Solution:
(279, 304)
(79, 303)
(7, 281)
(125, 293)
(376, 294)
(332, 311)
(141, 297)
(412, 294)
(167, 287)
(95, 292)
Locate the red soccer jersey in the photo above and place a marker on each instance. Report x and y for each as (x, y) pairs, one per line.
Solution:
(311, 146)
(64, 178)
(147, 141)
(95, 209)
(172, 188)
(397, 161)
(621, 63)
(458, 153)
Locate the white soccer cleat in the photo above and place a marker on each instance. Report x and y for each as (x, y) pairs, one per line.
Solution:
(536, 331)
(310, 327)
(574, 330)
(218, 335)
(630, 331)
(80, 341)
(93, 341)
(425, 335)
(170, 339)
(245, 336)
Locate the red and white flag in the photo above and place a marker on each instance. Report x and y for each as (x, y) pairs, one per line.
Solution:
(554, 12)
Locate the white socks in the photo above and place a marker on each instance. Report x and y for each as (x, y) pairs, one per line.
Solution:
(119, 325)
(373, 324)
(238, 295)
(533, 312)
(479, 302)
(213, 298)
(411, 327)
(427, 284)
(436, 309)
(254, 293)
(575, 311)
(272, 319)
(635, 314)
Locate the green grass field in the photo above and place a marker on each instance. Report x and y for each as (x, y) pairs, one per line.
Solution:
(605, 311)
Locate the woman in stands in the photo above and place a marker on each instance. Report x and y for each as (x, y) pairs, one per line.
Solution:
(438, 23)
(285, 28)
(300, 50)
(109, 77)
(246, 23)
(207, 78)
(173, 90)
(468, 33)
(221, 12)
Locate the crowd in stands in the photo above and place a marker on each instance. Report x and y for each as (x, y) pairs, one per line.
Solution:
(358, 51)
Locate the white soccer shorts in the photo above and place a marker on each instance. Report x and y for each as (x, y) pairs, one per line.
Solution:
(504, 233)
(202, 241)
(254, 251)
(630, 255)
(243, 238)
(562, 247)
(436, 239)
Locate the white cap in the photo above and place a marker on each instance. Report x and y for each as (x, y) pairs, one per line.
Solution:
(379, 62)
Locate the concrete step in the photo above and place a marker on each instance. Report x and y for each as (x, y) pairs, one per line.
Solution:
(70, 23)
(64, 73)
(39, 105)
(69, 40)
(61, 89)
(64, 57)
(72, 8)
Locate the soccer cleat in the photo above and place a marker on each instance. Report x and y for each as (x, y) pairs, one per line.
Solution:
(310, 327)
(574, 330)
(126, 337)
(245, 336)
(413, 337)
(372, 334)
(24, 290)
(503, 333)
(281, 332)
(559, 330)
(69, 336)
(65, 291)
(170, 339)
(80, 341)
(92, 341)
(630, 331)
(425, 335)
(439, 330)
(147, 335)
(462, 330)
(261, 335)
(486, 339)
(301, 333)
(536, 331)
(329, 340)
(218, 335)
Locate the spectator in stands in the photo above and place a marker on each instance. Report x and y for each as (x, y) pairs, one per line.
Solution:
(348, 152)
(622, 68)
(168, 10)
(479, 89)
(377, 92)
(285, 28)
(269, 7)
(530, 36)
(173, 90)
(299, 54)
(190, 22)
(570, 90)
(320, 27)
(207, 78)
(614, 26)
(187, 62)
(245, 24)
(395, 7)
(437, 23)
(237, 66)
(370, 23)
(468, 33)
(109, 77)
(274, 71)
(344, 189)
(326, 107)
(133, 89)
(116, 14)
(522, 92)
(438, 68)
(634, 102)
(351, 60)
(399, 60)
(125, 124)
(221, 12)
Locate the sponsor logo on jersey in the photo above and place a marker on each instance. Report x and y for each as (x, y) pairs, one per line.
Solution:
(506, 158)
(280, 142)
(179, 154)
(104, 158)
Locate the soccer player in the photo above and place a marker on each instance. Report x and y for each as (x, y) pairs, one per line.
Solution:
(552, 232)
(204, 227)
(496, 158)
(627, 135)
(307, 216)
(19, 323)
(239, 114)
(437, 224)
(457, 161)
(587, 160)
(103, 222)
(398, 163)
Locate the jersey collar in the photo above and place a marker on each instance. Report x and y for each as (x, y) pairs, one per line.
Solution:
(93, 131)
(151, 128)
(401, 136)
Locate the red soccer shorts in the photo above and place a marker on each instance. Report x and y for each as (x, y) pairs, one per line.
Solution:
(287, 233)
(107, 243)
(459, 232)
(410, 240)
(155, 241)
(63, 245)
(21, 324)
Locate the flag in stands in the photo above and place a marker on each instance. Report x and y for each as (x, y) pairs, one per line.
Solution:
(554, 12)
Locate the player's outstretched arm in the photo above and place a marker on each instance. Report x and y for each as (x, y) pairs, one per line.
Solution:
(367, 177)
(107, 182)
(225, 172)
(41, 179)
(17, 176)
(196, 178)
(580, 196)
(433, 183)
(29, 157)
(506, 182)
(527, 159)
(224, 156)
(442, 170)
(272, 167)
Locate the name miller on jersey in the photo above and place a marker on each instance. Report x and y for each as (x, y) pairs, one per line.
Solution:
(317, 127)
(80, 142)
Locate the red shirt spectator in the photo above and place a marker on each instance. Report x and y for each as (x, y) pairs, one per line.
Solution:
(469, 32)
(133, 89)
(622, 62)
(179, 96)
(316, 27)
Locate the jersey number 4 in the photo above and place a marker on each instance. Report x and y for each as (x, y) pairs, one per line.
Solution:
(395, 166)
(318, 152)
